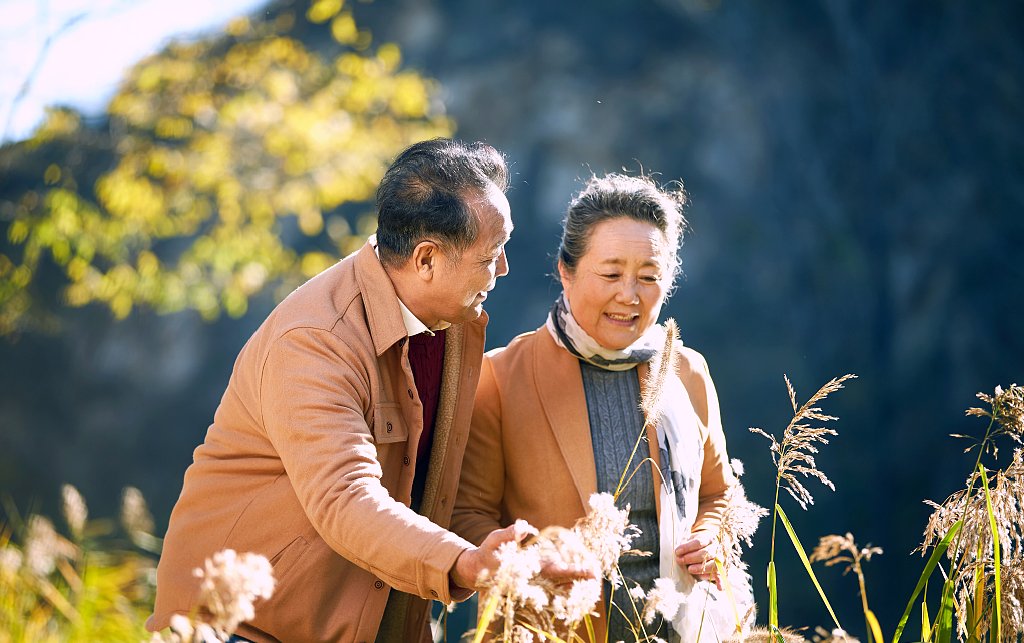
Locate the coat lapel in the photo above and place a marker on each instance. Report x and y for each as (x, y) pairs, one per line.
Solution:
(560, 387)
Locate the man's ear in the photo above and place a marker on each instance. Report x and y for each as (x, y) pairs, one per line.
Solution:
(425, 258)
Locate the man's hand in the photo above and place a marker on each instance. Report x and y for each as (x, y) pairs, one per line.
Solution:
(468, 566)
(697, 556)
(466, 571)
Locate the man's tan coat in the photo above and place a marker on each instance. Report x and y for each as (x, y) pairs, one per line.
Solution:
(310, 462)
(530, 453)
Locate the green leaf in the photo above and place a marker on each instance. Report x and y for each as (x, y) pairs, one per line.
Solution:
(876, 628)
(590, 628)
(773, 597)
(485, 618)
(933, 560)
(926, 622)
(997, 611)
(945, 617)
(807, 564)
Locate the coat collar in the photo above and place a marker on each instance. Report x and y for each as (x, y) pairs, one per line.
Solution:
(560, 386)
(383, 314)
(383, 308)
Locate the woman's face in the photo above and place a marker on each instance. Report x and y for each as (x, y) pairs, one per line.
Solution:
(619, 285)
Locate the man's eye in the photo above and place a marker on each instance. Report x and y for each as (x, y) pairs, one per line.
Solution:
(611, 275)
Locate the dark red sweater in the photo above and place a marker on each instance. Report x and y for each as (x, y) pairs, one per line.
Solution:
(426, 357)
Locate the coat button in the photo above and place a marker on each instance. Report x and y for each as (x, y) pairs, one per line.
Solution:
(409, 391)
(406, 460)
(377, 584)
(444, 501)
(389, 427)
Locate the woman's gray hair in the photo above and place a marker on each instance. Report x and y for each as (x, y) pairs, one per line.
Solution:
(618, 195)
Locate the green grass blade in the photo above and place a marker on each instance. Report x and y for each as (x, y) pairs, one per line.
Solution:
(807, 564)
(933, 560)
(876, 627)
(926, 622)
(773, 597)
(486, 617)
(997, 615)
(590, 628)
(944, 620)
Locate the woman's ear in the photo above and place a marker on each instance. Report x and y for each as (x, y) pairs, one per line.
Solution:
(564, 274)
(425, 257)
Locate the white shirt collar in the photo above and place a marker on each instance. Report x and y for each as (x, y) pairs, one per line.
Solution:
(413, 325)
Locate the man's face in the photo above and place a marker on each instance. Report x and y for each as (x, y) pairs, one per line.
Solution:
(462, 283)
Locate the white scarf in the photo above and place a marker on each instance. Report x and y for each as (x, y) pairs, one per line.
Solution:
(570, 335)
(706, 609)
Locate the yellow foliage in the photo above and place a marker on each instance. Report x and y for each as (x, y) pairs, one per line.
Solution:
(323, 10)
(344, 30)
(59, 122)
(52, 174)
(218, 144)
(313, 263)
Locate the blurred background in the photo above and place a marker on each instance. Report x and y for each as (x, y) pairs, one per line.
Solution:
(856, 174)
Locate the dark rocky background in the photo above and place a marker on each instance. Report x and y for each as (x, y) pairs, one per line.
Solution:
(856, 171)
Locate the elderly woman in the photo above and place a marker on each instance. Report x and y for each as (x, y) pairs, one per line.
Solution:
(558, 411)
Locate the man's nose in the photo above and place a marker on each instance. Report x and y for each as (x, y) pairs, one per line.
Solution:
(502, 265)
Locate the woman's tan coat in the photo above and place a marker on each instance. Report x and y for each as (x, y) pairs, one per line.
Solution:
(530, 454)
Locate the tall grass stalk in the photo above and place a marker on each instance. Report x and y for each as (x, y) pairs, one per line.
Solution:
(835, 550)
(794, 454)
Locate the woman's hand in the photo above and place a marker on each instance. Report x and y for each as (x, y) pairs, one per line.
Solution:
(697, 556)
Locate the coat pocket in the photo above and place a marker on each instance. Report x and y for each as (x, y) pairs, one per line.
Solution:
(285, 559)
(388, 424)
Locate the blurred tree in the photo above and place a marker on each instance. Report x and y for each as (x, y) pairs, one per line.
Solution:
(226, 169)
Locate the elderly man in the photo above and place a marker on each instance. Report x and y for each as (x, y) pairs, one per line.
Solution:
(335, 451)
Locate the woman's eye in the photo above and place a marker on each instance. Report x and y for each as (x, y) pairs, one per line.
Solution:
(650, 279)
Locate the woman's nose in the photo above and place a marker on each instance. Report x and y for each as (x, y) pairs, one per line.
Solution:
(628, 292)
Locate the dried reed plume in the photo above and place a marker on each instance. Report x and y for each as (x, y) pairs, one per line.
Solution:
(740, 520)
(821, 635)
(835, 549)
(1006, 416)
(524, 598)
(230, 584)
(44, 548)
(764, 635)
(974, 550)
(795, 454)
(661, 365)
(1012, 573)
(75, 510)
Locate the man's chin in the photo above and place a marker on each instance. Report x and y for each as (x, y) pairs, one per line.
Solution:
(472, 313)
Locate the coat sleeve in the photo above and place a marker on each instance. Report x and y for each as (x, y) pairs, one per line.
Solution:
(477, 509)
(716, 475)
(313, 397)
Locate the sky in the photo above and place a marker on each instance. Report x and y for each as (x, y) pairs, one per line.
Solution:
(92, 44)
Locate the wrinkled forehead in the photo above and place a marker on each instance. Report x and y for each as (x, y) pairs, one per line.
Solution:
(621, 237)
